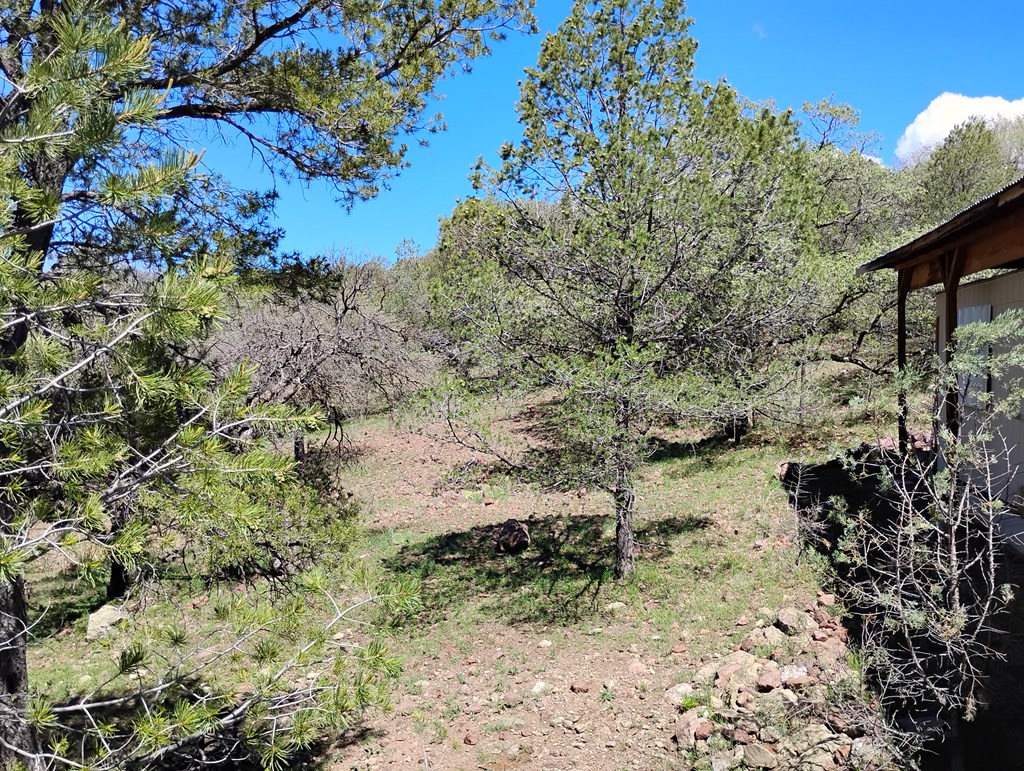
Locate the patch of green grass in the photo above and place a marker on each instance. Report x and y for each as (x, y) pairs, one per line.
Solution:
(495, 490)
(498, 726)
(413, 684)
(557, 580)
(452, 708)
(689, 702)
(424, 723)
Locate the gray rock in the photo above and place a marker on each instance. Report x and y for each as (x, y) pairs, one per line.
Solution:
(792, 672)
(736, 669)
(678, 693)
(818, 759)
(103, 620)
(865, 752)
(814, 746)
(540, 688)
(759, 756)
(706, 674)
(721, 761)
(793, 621)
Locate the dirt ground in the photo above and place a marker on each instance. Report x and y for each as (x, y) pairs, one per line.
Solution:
(486, 688)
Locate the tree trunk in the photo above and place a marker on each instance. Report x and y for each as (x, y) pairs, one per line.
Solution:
(119, 581)
(625, 540)
(14, 729)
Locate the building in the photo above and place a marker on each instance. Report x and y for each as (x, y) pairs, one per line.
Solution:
(987, 236)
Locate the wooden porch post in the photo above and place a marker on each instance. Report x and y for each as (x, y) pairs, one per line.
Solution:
(903, 288)
(952, 272)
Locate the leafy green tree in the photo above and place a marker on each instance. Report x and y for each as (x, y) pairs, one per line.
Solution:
(263, 75)
(967, 166)
(638, 253)
(1010, 135)
(863, 210)
(259, 74)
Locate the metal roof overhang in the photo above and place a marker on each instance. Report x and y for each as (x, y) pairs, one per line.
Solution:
(988, 234)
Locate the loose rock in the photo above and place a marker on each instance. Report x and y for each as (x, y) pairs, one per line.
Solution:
(678, 693)
(103, 620)
(770, 678)
(793, 621)
(759, 756)
(513, 537)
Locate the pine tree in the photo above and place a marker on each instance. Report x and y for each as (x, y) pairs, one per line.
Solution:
(637, 246)
(967, 166)
(116, 257)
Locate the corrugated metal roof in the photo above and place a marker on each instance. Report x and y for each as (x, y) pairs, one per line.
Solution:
(971, 215)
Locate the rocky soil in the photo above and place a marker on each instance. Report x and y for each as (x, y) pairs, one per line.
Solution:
(771, 703)
(774, 690)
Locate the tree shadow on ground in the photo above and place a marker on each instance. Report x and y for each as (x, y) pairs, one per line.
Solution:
(712, 452)
(57, 602)
(556, 580)
(710, 446)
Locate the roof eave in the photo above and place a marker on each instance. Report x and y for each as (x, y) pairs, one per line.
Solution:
(971, 216)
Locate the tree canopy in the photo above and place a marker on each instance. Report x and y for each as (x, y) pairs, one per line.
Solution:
(119, 443)
(638, 243)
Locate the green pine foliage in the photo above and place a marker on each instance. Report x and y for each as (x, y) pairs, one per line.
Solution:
(635, 249)
(969, 165)
(122, 451)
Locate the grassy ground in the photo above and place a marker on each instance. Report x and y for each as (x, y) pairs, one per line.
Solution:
(540, 660)
(492, 661)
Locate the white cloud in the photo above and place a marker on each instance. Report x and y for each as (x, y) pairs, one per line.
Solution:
(947, 111)
(759, 30)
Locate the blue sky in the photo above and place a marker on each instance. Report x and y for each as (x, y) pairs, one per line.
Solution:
(890, 60)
